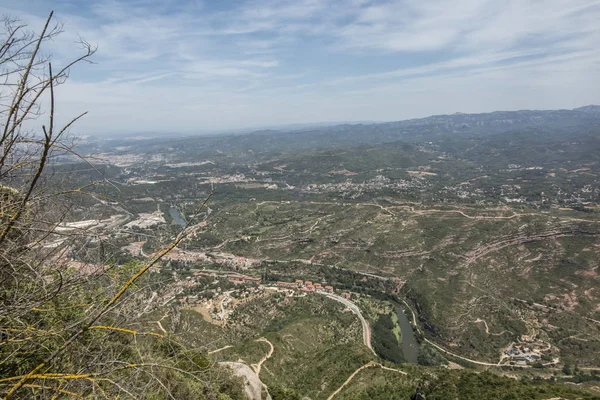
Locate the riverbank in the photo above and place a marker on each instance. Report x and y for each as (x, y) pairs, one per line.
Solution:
(409, 344)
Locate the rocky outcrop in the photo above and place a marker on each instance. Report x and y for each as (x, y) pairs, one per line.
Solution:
(253, 386)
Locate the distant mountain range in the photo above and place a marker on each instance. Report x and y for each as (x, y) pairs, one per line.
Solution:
(458, 121)
(504, 118)
(429, 128)
(433, 128)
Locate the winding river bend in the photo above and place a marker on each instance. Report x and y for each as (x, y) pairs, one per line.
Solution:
(409, 345)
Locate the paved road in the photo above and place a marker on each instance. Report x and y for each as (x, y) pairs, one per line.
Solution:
(354, 308)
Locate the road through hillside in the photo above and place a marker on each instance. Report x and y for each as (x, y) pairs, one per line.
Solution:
(354, 308)
(367, 365)
(257, 367)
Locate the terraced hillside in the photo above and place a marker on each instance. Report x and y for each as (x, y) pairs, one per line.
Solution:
(485, 228)
(480, 278)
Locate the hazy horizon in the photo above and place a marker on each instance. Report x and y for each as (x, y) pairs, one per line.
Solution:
(201, 66)
(300, 126)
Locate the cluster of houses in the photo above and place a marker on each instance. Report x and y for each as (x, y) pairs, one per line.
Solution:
(234, 278)
(305, 286)
(299, 284)
(522, 355)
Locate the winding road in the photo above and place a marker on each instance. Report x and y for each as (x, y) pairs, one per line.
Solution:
(354, 308)
(256, 367)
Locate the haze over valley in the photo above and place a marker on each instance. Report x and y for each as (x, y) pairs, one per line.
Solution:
(209, 231)
(479, 230)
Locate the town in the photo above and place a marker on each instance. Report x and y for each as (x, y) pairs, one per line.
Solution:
(216, 294)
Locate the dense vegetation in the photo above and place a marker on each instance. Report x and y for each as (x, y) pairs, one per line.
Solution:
(464, 385)
(487, 225)
(384, 341)
(490, 227)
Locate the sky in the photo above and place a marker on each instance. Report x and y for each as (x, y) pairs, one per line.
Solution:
(199, 66)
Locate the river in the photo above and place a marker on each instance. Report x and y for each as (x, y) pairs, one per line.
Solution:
(410, 347)
(177, 217)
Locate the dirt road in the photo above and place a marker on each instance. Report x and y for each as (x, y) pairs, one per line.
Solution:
(472, 361)
(367, 365)
(257, 367)
(221, 349)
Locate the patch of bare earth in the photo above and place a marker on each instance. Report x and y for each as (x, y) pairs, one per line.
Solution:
(570, 301)
(588, 273)
(134, 248)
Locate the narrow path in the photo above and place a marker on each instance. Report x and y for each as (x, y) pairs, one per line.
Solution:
(161, 327)
(367, 365)
(591, 320)
(424, 211)
(555, 308)
(482, 251)
(487, 329)
(462, 213)
(257, 367)
(221, 349)
(393, 369)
